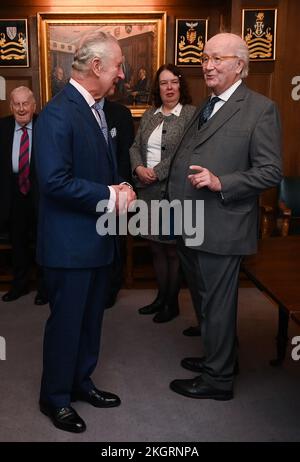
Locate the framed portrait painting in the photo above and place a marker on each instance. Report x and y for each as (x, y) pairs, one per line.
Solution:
(142, 38)
(13, 43)
(191, 36)
(259, 32)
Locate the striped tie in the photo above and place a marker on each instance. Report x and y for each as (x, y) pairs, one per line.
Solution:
(23, 176)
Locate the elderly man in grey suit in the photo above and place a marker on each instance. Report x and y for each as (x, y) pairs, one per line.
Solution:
(229, 154)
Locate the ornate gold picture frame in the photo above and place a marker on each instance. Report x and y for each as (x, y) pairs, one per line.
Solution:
(142, 37)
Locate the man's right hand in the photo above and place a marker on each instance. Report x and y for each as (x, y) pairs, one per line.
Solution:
(124, 197)
(145, 174)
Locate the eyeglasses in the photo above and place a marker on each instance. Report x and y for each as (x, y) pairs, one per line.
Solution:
(215, 60)
(164, 83)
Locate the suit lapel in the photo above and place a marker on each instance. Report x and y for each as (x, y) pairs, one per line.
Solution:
(86, 113)
(152, 123)
(9, 146)
(217, 121)
(227, 111)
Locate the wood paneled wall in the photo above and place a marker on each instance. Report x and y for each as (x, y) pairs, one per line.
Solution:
(273, 79)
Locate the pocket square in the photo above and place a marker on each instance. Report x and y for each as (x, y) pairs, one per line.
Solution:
(113, 132)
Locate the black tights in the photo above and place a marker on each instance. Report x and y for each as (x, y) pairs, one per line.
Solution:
(167, 270)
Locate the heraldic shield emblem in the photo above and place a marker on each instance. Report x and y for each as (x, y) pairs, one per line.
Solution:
(259, 32)
(191, 36)
(13, 43)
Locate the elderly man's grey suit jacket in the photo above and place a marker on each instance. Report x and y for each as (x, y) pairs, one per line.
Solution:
(241, 145)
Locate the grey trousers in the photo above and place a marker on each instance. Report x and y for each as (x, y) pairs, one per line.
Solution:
(213, 283)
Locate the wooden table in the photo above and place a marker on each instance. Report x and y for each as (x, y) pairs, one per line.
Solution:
(275, 270)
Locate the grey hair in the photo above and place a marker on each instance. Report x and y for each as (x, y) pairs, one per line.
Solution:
(93, 45)
(242, 52)
(22, 88)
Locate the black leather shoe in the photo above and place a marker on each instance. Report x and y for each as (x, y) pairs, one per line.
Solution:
(167, 314)
(97, 398)
(157, 305)
(197, 388)
(193, 331)
(14, 294)
(64, 418)
(196, 364)
(40, 299)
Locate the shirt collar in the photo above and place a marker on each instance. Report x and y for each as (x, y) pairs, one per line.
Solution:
(176, 110)
(86, 95)
(227, 93)
(19, 127)
(100, 102)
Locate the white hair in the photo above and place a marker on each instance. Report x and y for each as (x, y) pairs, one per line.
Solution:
(22, 89)
(242, 51)
(95, 44)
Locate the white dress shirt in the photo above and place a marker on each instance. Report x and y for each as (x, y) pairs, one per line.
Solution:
(224, 96)
(154, 141)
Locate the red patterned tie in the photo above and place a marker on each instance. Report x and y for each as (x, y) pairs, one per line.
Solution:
(23, 177)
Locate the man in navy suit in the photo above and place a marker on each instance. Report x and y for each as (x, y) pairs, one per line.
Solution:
(76, 169)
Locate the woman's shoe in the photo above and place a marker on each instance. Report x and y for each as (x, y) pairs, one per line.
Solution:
(155, 306)
(168, 313)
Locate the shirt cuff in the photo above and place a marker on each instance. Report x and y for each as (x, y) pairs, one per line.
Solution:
(112, 199)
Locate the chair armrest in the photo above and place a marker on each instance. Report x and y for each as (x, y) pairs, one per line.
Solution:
(267, 220)
(286, 219)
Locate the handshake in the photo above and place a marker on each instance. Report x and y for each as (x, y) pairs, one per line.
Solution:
(125, 195)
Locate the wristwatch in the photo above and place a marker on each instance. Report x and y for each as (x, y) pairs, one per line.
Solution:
(127, 184)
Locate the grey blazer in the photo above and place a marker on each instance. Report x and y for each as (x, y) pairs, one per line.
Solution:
(172, 132)
(241, 145)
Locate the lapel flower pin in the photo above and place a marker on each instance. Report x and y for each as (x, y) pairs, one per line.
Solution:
(113, 132)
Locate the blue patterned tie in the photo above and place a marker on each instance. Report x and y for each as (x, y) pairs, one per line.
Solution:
(103, 124)
(207, 110)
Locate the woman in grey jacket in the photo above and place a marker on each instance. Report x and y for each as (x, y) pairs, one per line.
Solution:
(159, 133)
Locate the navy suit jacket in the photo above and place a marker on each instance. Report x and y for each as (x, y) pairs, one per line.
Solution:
(7, 130)
(74, 168)
(119, 119)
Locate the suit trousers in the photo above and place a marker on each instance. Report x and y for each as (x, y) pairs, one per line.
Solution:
(22, 231)
(72, 332)
(213, 282)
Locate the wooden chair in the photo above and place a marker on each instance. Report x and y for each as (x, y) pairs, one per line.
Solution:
(289, 205)
(284, 218)
(138, 261)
